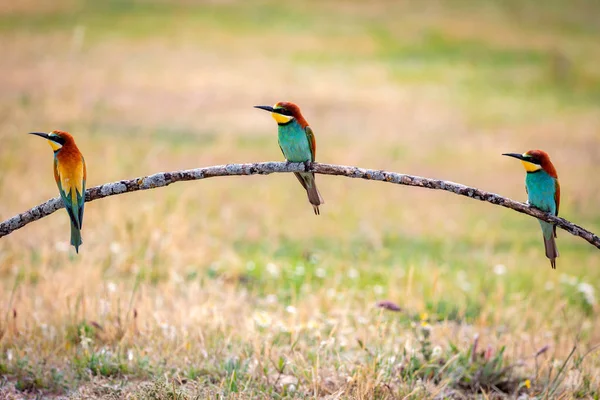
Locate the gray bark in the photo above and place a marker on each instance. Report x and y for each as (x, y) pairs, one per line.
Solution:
(166, 178)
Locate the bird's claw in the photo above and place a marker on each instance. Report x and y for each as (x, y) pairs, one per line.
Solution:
(307, 166)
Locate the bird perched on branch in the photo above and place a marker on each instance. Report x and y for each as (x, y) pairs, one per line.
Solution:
(543, 191)
(297, 143)
(70, 176)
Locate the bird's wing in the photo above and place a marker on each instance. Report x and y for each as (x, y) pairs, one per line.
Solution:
(556, 200)
(557, 195)
(71, 186)
(81, 196)
(311, 141)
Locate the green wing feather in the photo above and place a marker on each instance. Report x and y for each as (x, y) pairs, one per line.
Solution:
(312, 142)
(81, 196)
(556, 199)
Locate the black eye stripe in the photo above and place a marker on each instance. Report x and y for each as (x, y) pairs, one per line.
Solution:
(57, 139)
(284, 111)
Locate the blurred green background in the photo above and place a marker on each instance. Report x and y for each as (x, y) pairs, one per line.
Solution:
(431, 88)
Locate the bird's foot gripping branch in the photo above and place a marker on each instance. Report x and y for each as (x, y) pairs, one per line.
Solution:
(163, 179)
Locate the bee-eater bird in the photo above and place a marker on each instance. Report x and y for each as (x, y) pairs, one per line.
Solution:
(70, 175)
(543, 191)
(297, 143)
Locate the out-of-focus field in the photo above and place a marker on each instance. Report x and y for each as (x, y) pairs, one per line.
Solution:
(231, 286)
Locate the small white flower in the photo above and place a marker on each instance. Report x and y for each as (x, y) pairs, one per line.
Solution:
(353, 274)
(312, 325)
(262, 319)
(111, 287)
(568, 279)
(252, 365)
(114, 248)
(320, 273)
(328, 342)
(291, 388)
(588, 292)
(85, 342)
(49, 332)
(299, 270)
(331, 293)
(273, 269)
(585, 288)
(437, 351)
(250, 266)
(169, 331)
(165, 328)
(61, 247)
(130, 355)
(291, 309)
(378, 289)
(9, 354)
(282, 327)
(271, 299)
(499, 269)
(176, 277)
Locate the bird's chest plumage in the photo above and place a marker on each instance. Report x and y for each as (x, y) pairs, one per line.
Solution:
(69, 170)
(541, 189)
(294, 143)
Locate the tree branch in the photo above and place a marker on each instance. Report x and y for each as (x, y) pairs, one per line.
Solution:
(166, 178)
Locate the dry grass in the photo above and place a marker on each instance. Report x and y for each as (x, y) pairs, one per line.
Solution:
(231, 286)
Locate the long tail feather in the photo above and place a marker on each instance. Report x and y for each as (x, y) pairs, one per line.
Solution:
(76, 237)
(551, 250)
(307, 179)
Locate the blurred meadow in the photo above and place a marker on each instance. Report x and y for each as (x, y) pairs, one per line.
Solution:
(232, 287)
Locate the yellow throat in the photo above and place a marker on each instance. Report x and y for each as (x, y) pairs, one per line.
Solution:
(531, 167)
(55, 146)
(281, 119)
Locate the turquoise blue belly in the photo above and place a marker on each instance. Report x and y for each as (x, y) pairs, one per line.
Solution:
(294, 143)
(541, 189)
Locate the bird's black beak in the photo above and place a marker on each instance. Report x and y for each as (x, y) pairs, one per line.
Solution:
(266, 108)
(515, 155)
(41, 134)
